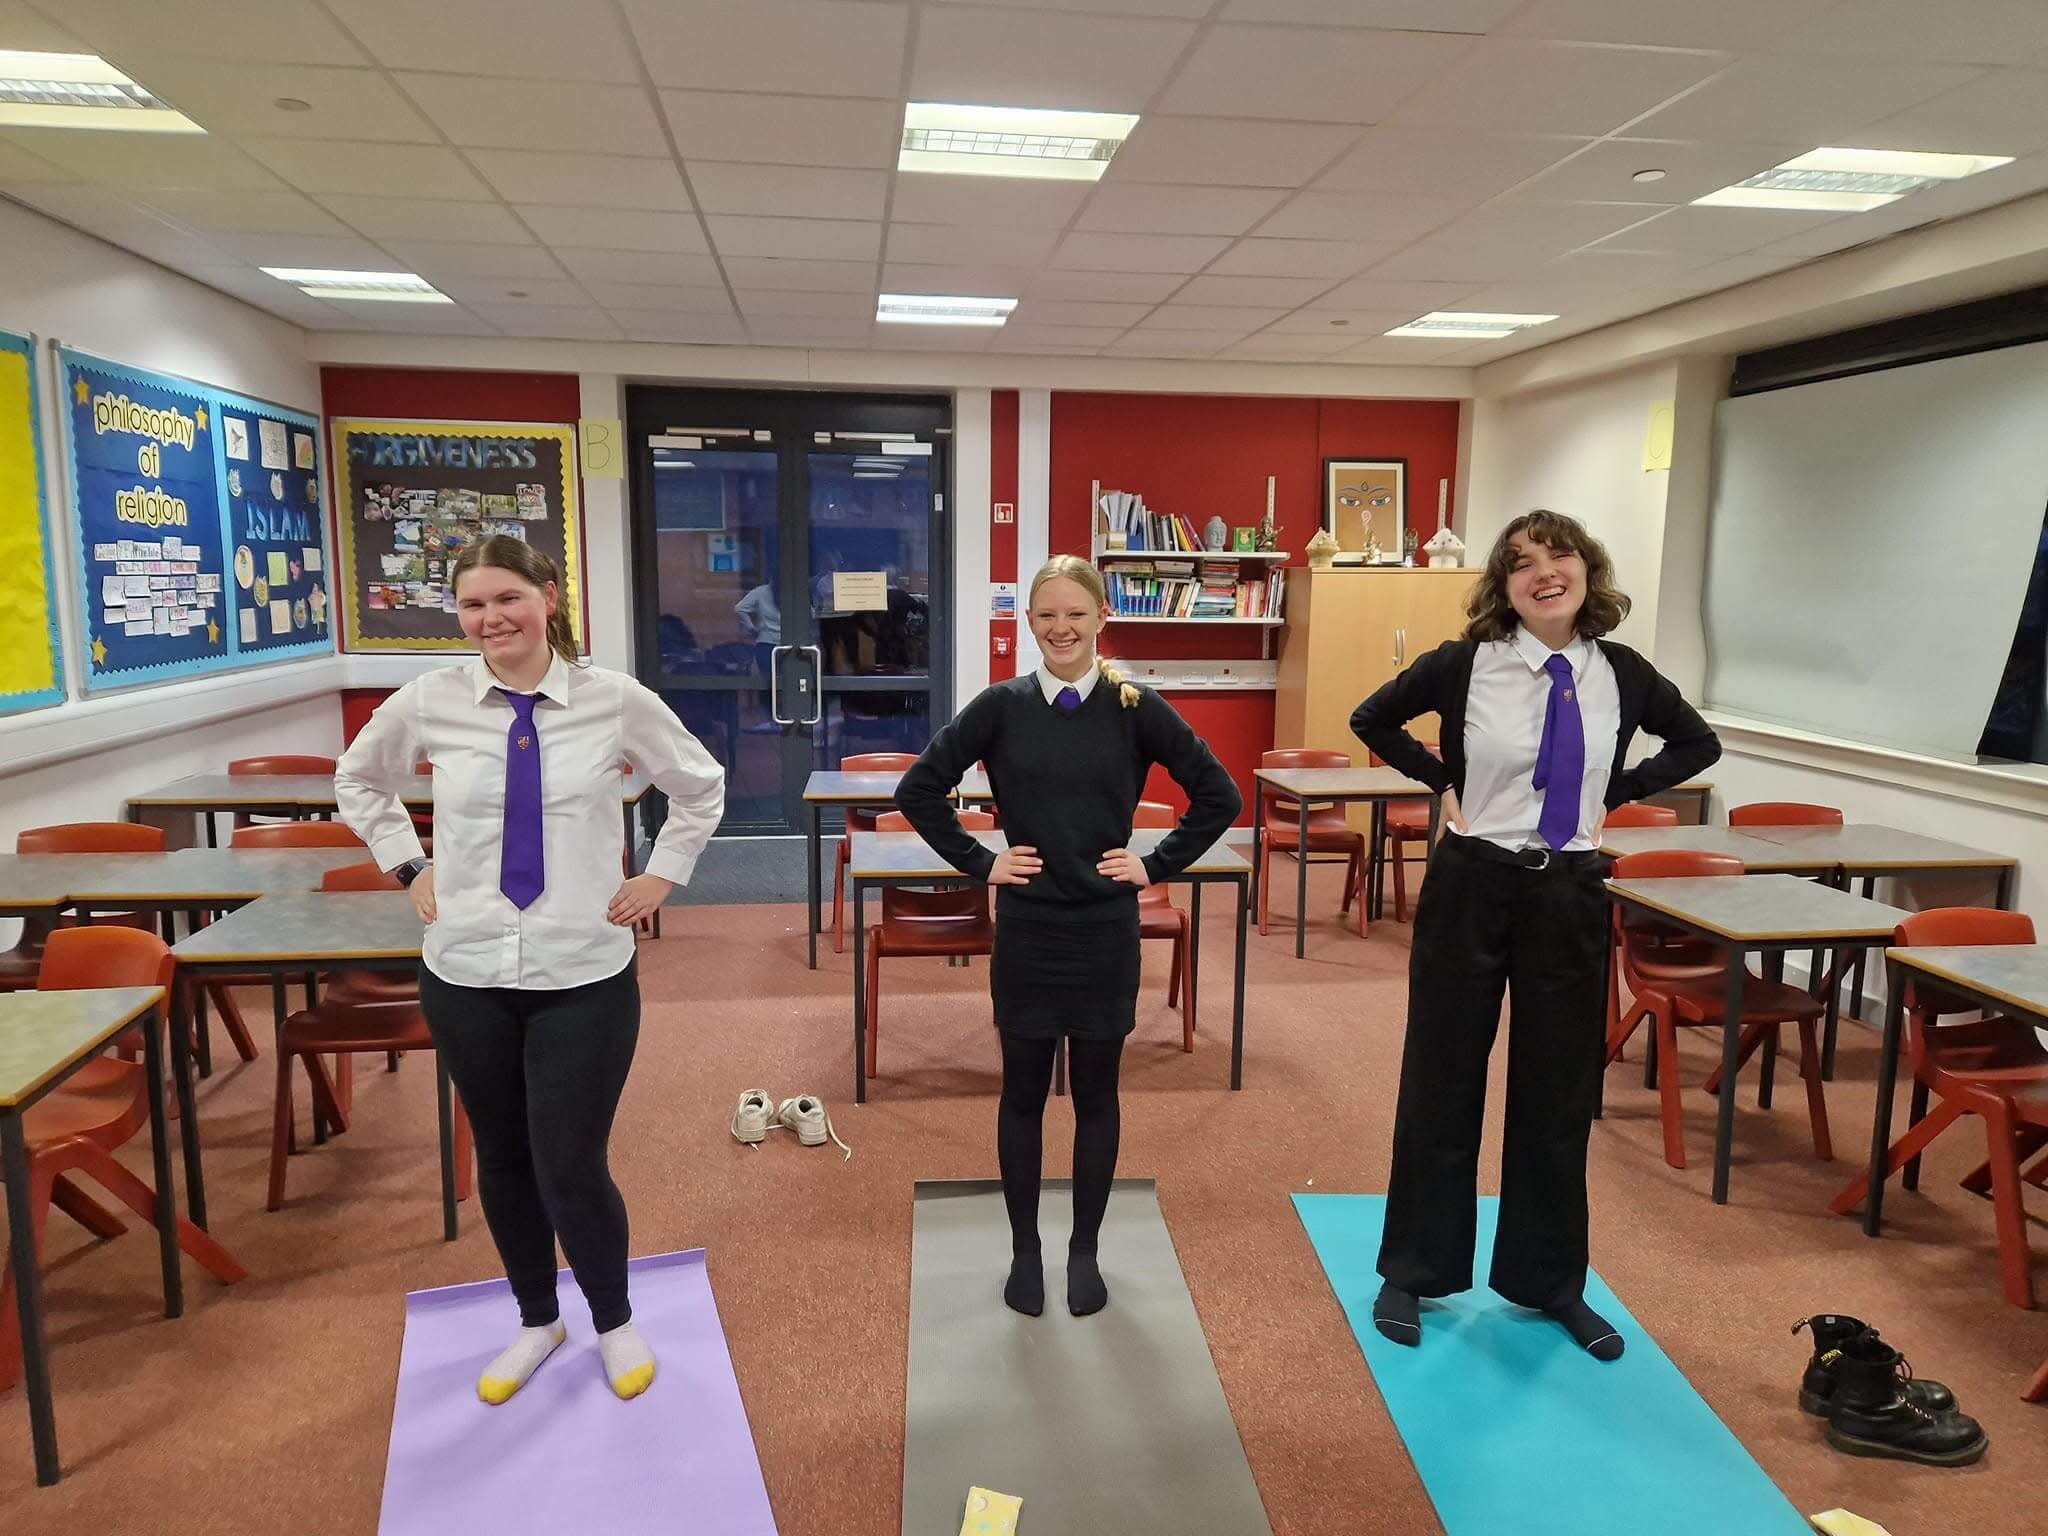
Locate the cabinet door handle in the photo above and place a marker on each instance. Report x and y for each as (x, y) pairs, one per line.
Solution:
(1400, 647)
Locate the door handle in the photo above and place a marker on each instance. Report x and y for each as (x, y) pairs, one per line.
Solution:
(774, 682)
(817, 676)
(1400, 647)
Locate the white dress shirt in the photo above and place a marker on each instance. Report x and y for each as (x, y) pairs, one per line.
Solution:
(1504, 726)
(1050, 686)
(588, 720)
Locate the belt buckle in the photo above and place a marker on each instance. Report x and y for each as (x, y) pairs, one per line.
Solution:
(1543, 860)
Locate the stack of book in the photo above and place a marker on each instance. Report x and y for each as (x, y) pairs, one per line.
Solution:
(1181, 589)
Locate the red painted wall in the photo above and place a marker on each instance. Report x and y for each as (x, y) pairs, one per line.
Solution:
(1002, 537)
(441, 395)
(1209, 455)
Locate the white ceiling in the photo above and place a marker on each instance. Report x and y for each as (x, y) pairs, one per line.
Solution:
(1308, 173)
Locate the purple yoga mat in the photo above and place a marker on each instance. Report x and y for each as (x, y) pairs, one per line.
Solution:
(565, 1454)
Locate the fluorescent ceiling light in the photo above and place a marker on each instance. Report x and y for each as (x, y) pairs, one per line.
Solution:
(1471, 325)
(941, 309)
(79, 90)
(382, 287)
(1848, 180)
(1011, 141)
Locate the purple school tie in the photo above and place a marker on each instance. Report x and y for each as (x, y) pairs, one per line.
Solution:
(1068, 699)
(1560, 757)
(522, 866)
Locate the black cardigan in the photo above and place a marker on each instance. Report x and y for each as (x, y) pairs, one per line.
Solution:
(1442, 680)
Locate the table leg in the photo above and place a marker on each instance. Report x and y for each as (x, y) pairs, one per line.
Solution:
(2005, 880)
(185, 992)
(444, 1097)
(1856, 975)
(1244, 916)
(1258, 831)
(160, 1158)
(1832, 1019)
(1774, 970)
(200, 1026)
(860, 988)
(1887, 1082)
(1731, 1031)
(811, 893)
(1376, 860)
(28, 1299)
(1301, 879)
(1194, 948)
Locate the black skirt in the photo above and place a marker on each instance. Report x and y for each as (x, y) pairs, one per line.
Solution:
(1080, 979)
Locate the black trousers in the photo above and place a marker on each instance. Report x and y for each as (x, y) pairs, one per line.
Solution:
(540, 1074)
(1480, 927)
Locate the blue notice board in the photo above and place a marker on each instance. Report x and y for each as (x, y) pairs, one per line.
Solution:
(276, 529)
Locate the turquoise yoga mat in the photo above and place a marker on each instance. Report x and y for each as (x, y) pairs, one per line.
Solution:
(1513, 1428)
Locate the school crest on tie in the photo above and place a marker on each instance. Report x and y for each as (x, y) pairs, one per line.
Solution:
(527, 741)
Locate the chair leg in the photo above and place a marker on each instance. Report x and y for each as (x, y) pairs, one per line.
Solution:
(1266, 889)
(1625, 1031)
(874, 1019)
(1364, 889)
(231, 1020)
(83, 1209)
(1816, 1096)
(1910, 1145)
(280, 1132)
(198, 1244)
(2015, 1263)
(1752, 1037)
(1182, 947)
(465, 1152)
(1173, 971)
(1399, 859)
(1669, 1109)
(2036, 1391)
(842, 851)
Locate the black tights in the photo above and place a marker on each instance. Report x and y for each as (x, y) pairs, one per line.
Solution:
(1020, 1133)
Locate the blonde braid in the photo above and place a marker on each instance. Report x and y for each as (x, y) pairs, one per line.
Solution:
(1126, 692)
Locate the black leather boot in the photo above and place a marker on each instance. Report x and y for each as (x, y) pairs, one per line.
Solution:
(1831, 1330)
(1873, 1413)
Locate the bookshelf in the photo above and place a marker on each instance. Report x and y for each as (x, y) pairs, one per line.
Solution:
(1163, 574)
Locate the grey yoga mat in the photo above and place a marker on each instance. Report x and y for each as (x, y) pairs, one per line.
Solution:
(1109, 1423)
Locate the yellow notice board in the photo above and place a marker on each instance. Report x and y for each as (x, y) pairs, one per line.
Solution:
(31, 667)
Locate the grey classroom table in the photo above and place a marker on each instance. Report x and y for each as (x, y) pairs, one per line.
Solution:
(1341, 785)
(1767, 914)
(1758, 856)
(1699, 791)
(2000, 978)
(45, 1037)
(306, 932)
(904, 858)
(856, 791)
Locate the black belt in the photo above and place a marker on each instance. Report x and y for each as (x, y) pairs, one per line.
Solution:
(1575, 862)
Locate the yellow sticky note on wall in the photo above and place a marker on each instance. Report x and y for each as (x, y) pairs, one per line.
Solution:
(1657, 441)
(603, 443)
(990, 1513)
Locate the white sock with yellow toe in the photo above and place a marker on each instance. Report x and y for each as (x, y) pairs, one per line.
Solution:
(509, 1372)
(628, 1362)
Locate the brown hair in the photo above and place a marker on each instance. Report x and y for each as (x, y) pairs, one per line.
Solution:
(1493, 617)
(1084, 575)
(504, 553)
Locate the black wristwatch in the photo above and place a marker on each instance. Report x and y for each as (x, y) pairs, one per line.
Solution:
(410, 870)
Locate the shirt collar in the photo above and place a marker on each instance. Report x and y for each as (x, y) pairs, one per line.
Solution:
(554, 686)
(1050, 686)
(1536, 653)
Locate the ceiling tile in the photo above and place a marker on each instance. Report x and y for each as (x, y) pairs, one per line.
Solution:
(438, 259)
(1001, 201)
(793, 190)
(109, 215)
(1430, 261)
(978, 281)
(810, 276)
(1533, 231)
(1309, 73)
(575, 321)
(1009, 58)
(370, 169)
(1401, 15)
(695, 300)
(1721, 231)
(1171, 343)
(539, 114)
(2001, 113)
(1767, 99)
(818, 47)
(1299, 258)
(345, 252)
(556, 291)
(639, 266)
(1018, 334)
(1005, 343)
(1144, 209)
(31, 32)
(1434, 163)
(616, 229)
(1420, 350)
(18, 166)
(806, 328)
(1504, 86)
(1917, 31)
(487, 37)
(1378, 217)
(276, 32)
(784, 130)
(946, 245)
(1043, 313)
(1290, 344)
(149, 160)
(428, 218)
(1349, 323)
(772, 301)
(678, 325)
(1237, 319)
(1106, 287)
(1739, 26)
(819, 239)
(1091, 252)
(582, 180)
(248, 213)
(1193, 10)
(934, 338)
(1366, 295)
(1620, 267)
(416, 320)
(1283, 291)
(1604, 172)
(239, 99)
(1213, 152)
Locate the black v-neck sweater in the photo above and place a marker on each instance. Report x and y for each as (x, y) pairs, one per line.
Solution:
(1067, 785)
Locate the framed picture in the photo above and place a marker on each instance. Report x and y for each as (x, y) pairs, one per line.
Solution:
(1365, 507)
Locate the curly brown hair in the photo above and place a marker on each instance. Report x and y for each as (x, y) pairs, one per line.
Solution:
(1493, 616)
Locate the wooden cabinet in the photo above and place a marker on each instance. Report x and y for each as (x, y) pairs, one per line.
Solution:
(1347, 632)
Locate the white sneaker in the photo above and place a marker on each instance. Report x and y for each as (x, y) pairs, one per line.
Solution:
(752, 1118)
(806, 1116)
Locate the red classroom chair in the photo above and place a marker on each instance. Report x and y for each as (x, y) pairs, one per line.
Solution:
(278, 763)
(1404, 822)
(1640, 813)
(1159, 918)
(19, 965)
(858, 819)
(297, 834)
(1329, 832)
(953, 920)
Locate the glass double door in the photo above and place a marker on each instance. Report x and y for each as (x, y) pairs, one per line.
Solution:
(790, 573)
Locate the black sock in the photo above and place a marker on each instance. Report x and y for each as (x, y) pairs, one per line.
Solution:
(1396, 1315)
(1594, 1333)
(1024, 1291)
(1086, 1290)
